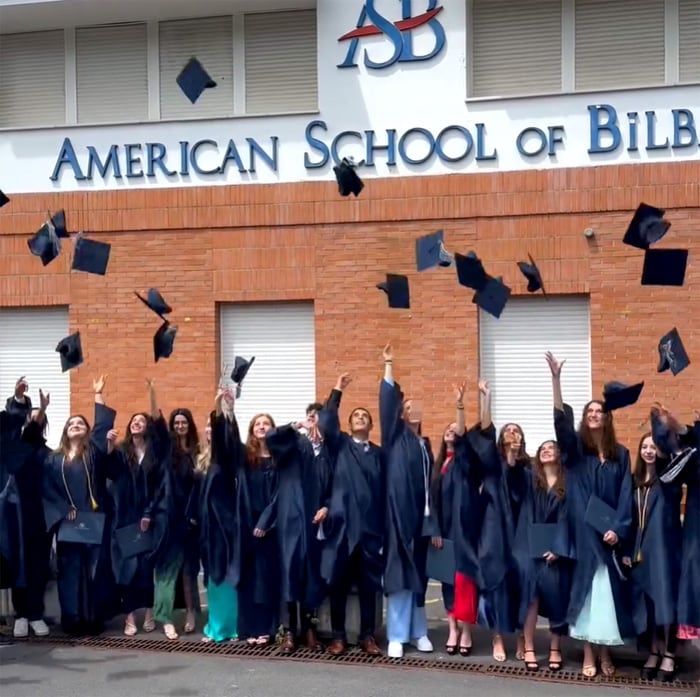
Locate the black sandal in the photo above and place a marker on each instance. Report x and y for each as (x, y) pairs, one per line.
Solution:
(450, 649)
(554, 666)
(668, 675)
(648, 673)
(465, 651)
(530, 666)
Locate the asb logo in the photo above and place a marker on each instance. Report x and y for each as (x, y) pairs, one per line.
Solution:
(399, 33)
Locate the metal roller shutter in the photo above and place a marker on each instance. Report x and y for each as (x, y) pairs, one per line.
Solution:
(32, 79)
(516, 47)
(282, 381)
(210, 40)
(281, 62)
(512, 358)
(619, 44)
(28, 347)
(112, 73)
(689, 40)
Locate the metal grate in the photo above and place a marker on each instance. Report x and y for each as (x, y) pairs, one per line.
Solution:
(356, 657)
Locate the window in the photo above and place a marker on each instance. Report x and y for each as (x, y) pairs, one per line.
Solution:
(210, 40)
(516, 48)
(280, 62)
(112, 73)
(28, 347)
(32, 79)
(689, 40)
(282, 381)
(512, 359)
(619, 44)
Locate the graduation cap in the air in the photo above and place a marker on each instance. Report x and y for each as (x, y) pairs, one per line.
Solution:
(492, 298)
(664, 267)
(71, 351)
(431, 252)
(617, 395)
(533, 275)
(194, 79)
(470, 271)
(646, 227)
(4, 200)
(667, 440)
(91, 256)
(240, 369)
(45, 244)
(672, 353)
(164, 341)
(348, 180)
(155, 302)
(396, 288)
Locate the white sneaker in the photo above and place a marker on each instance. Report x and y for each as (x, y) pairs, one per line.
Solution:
(39, 628)
(395, 649)
(423, 644)
(21, 628)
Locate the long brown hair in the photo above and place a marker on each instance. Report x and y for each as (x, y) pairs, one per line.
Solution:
(192, 437)
(64, 444)
(521, 457)
(541, 477)
(127, 444)
(608, 441)
(641, 469)
(441, 456)
(252, 444)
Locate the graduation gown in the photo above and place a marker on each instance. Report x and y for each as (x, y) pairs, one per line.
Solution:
(612, 482)
(550, 583)
(656, 554)
(357, 498)
(303, 488)
(85, 581)
(689, 586)
(408, 529)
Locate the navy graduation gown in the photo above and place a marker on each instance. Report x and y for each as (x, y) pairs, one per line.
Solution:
(656, 554)
(357, 498)
(612, 482)
(302, 490)
(550, 583)
(689, 586)
(408, 529)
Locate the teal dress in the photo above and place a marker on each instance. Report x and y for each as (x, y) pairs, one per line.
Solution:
(222, 600)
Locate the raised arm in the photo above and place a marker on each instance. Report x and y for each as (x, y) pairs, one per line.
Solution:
(104, 418)
(328, 417)
(390, 402)
(19, 405)
(485, 404)
(563, 425)
(459, 419)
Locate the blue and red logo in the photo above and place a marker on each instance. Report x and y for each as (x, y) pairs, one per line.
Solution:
(398, 32)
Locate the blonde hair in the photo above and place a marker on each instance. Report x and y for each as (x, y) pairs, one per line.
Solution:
(203, 458)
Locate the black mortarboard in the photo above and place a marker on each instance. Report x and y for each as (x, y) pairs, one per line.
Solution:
(240, 369)
(617, 395)
(91, 256)
(71, 351)
(3, 199)
(664, 267)
(431, 252)
(672, 353)
(647, 227)
(154, 301)
(58, 220)
(532, 273)
(396, 288)
(470, 271)
(492, 298)
(194, 79)
(45, 244)
(164, 341)
(348, 180)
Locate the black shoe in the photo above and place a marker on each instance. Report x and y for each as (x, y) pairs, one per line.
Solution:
(648, 673)
(668, 675)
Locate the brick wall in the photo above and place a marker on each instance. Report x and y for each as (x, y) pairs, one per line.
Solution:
(202, 246)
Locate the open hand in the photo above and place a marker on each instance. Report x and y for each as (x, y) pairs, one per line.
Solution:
(388, 352)
(459, 391)
(484, 388)
(99, 384)
(555, 366)
(44, 400)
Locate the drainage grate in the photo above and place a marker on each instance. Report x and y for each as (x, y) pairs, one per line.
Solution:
(356, 657)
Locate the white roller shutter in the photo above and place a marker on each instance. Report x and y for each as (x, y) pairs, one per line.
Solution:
(516, 47)
(282, 381)
(32, 79)
(112, 73)
(210, 41)
(28, 347)
(619, 44)
(512, 352)
(689, 40)
(281, 73)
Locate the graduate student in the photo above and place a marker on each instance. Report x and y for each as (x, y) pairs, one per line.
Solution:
(410, 522)
(598, 478)
(354, 528)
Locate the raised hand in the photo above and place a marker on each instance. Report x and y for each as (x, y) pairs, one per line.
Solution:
(99, 384)
(388, 353)
(484, 387)
(555, 366)
(343, 381)
(44, 400)
(112, 435)
(459, 391)
(151, 383)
